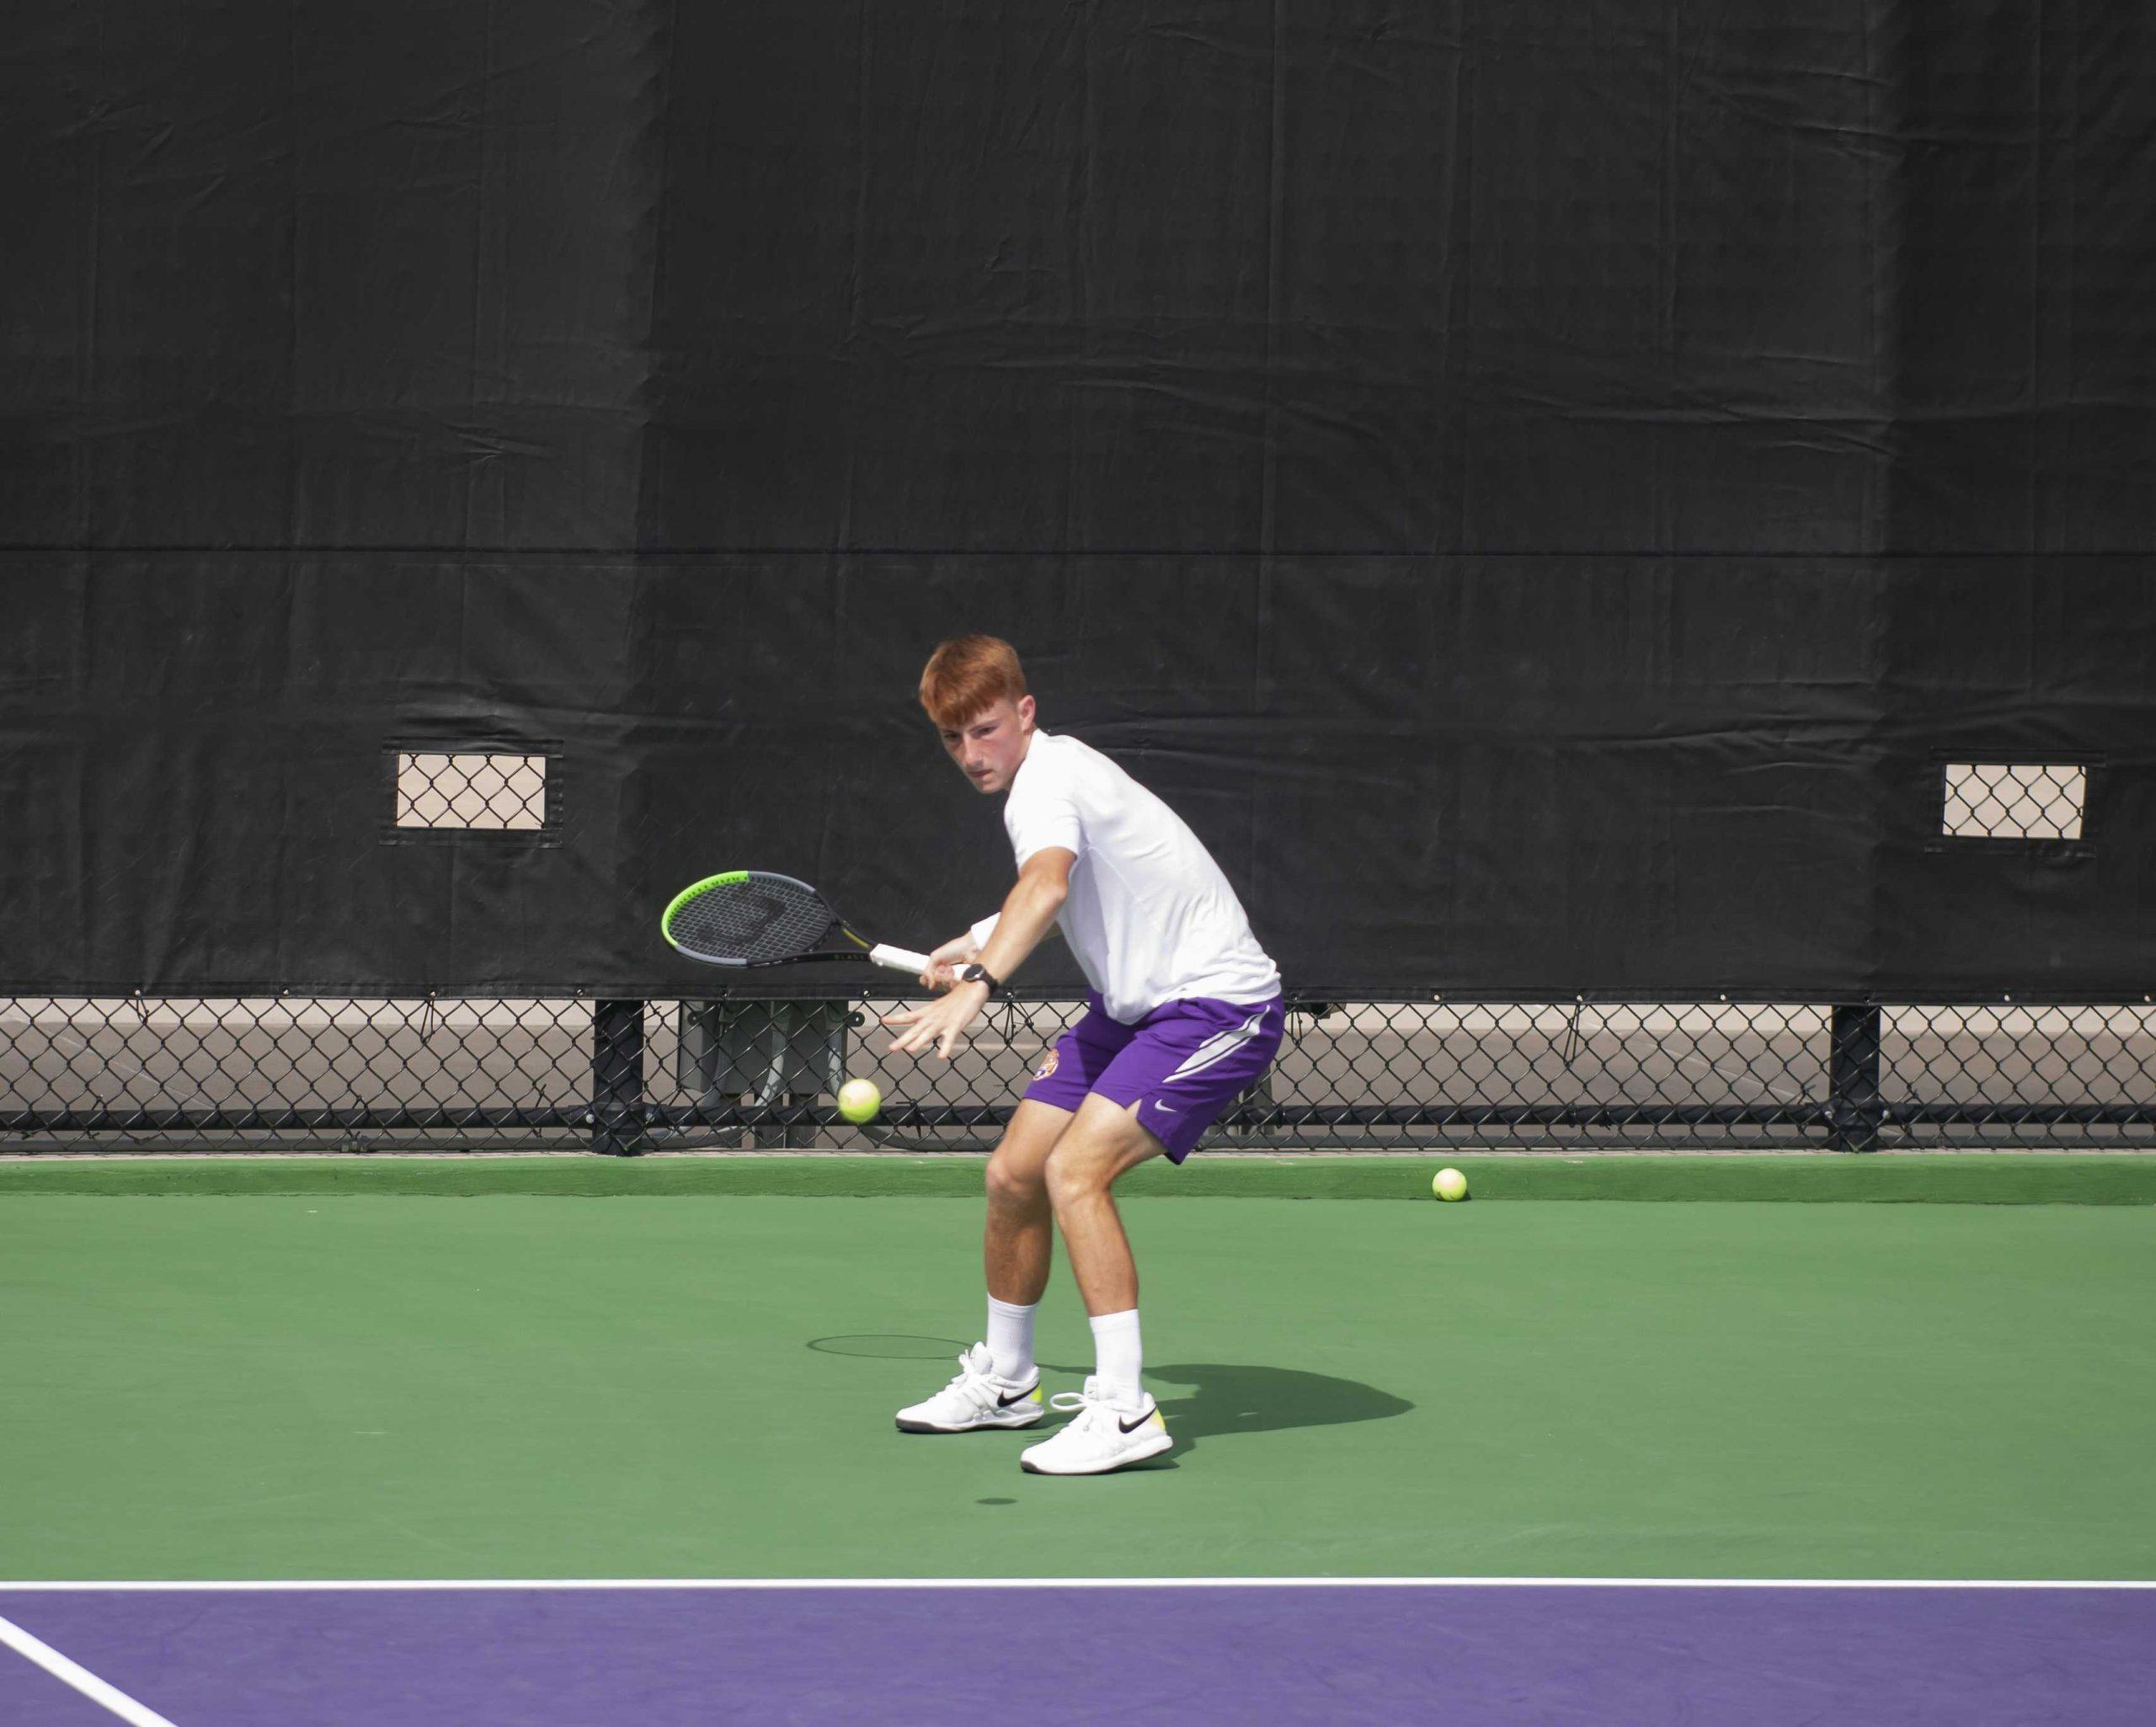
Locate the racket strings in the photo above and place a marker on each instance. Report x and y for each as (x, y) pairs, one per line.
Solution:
(762, 917)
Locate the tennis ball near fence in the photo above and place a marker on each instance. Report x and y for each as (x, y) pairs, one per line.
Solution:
(859, 1100)
(1448, 1184)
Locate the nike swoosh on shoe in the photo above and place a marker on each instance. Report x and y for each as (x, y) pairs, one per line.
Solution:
(1004, 1402)
(1133, 1427)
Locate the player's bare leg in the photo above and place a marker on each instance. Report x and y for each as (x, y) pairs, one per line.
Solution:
(1102, 1142)
(1116, 1423)
(997, 1385)
(1018, 1243)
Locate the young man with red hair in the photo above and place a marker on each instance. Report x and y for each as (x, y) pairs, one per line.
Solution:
(1183, 1015)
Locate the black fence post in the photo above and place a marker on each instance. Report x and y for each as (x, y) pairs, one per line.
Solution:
(1854, 1115)
(617, 1078)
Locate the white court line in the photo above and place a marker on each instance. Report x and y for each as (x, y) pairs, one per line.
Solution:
(318, 1584)
(82, 1678)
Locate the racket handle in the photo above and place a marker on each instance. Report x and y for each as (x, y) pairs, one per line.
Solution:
(899, 959)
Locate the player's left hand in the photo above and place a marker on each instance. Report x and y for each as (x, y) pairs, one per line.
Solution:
(943, 964)
(942, 1022)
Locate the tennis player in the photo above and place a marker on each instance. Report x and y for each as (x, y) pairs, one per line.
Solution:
(1183, 1014)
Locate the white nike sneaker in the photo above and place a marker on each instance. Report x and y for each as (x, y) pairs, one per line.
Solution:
(975, 1399)
(1105, 1436)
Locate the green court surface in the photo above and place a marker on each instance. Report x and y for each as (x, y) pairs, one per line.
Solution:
(1928, 1178)
(357, 1384)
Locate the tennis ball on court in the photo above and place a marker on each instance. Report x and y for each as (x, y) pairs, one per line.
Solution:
(859, 1100)
(1448, 1184)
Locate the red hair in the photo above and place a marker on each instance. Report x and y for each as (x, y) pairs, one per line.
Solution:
(969, 673)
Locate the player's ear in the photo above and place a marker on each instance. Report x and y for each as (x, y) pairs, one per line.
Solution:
(1025, 713)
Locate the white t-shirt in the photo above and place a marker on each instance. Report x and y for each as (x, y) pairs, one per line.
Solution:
(1148, 914)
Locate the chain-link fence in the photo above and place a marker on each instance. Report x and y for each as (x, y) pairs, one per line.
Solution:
(2012, 802)
(625, 1075)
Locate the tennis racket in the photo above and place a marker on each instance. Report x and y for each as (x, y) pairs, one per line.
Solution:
(750, 918)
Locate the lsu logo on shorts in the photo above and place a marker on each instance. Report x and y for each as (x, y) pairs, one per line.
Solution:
(1047, 1067)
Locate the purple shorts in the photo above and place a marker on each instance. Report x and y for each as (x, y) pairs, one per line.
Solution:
(1182, 1064)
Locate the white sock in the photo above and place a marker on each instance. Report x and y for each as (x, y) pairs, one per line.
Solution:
(1119, 1356)
(1010, 1339)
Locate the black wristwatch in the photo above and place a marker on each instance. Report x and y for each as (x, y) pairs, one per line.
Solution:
(981, 974)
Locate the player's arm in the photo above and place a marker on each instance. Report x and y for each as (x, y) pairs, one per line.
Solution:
(1028, 910)
(1051, 865)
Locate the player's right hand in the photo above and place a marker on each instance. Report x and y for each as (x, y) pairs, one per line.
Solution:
(943, 964)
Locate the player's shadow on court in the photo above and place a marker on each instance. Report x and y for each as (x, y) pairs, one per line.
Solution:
(1226, 1398)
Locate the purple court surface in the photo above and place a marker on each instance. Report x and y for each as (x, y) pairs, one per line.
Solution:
(1288, 1652)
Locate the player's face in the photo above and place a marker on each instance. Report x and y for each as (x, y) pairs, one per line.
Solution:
(989, 746)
